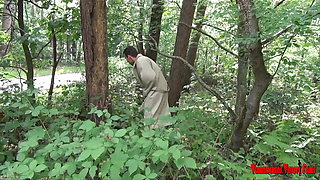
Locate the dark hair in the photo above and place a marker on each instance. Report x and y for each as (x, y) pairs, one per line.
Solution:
(130, 50)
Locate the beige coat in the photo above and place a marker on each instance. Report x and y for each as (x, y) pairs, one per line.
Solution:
(155, 89)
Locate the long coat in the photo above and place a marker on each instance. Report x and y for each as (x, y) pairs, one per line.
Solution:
(155, 89)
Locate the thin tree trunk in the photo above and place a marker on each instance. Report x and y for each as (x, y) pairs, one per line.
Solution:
(242, 87)
(140, 28)
(177, 70)
(154, 28)
(262, 78)
(55, 63)
(74, 51)
(25, 46)
(94, 33)
(6, 25)
(193, 46)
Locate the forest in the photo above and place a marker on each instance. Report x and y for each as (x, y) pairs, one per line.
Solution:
(244, 94)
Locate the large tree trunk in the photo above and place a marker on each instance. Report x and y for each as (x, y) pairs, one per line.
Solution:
(193, 45)
(262, 78)
(6, 25)
(154, 28)
(177, 70)
(94, 33)
(25, 46)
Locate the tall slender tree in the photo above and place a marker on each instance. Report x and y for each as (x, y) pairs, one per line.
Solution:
(154, 28)
(262, 78)
(195, 37)
(94, 31)
(177, 70)
(25, 45)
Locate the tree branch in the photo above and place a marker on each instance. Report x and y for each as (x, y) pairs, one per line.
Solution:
(215, 27)
(284, 51)
(41, 7)
(278, 4)
(276, 35)
(38, 54)
(214, 39)
(212, 91)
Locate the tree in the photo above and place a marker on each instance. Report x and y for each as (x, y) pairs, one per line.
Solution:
(94, 29)
(6, 25)
(177, 70)
(262, 78)
(154, 28)
(195, 37)
(25, 46)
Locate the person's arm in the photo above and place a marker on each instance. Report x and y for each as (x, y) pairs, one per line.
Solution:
(146, 73)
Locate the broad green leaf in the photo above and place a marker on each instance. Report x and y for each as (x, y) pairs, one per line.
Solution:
(83, 173)
(84, 155)
(190, 163)
(175, 153)
(120, 133)
(115, 172)
(99, 113)
(105, 168)
(95, 154)
(158, 153)
(40, 167)
(87, 125)
(138, 177)
(147, 171)
(115, 118)
(152, 176)
(92, 171)
(72, 168)
(133, 165)
(22, 169)
(33, 165)
(161, 143)
(94, 143)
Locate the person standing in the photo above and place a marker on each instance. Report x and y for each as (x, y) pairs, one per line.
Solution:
(154, 85)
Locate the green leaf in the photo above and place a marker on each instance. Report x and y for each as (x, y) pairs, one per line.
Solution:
(115, 172)
(83, 173)
(158, 153)
(22, 169)
(161, 143)
(40, 167)
(147, 171)
(152, 175)
(120, 133)
(72, 168)
(99, 113)
(133, 165)
(84, 155)
(138, 177)
(115, 118)
(105, 168)
(95, 154)
(175, 153)
(190, 163)
(33, 165)
(87, 125)
(92, 171)
(94, 143)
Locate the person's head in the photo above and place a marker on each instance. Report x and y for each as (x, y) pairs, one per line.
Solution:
(130, 53)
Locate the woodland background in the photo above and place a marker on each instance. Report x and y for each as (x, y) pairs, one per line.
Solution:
(244, 83)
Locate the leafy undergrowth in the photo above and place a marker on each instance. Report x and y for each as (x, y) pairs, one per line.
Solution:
(61, 143)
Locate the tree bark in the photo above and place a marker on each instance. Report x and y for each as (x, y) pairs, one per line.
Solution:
(74, 50)
(140, 28)
(242, 87)
(6, 25)
(94, 33)
(25, 46)
(177, 70)
(154, 28)
(262, 78)
(55, 63)
(193, 46)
